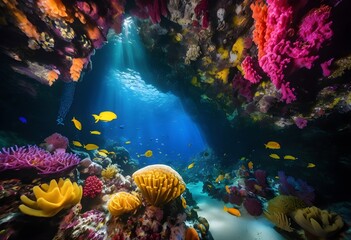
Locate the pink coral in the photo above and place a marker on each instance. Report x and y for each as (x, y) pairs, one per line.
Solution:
(92, 187)
(249, 69)
(56, 141)
(300, 122)
(33, 157)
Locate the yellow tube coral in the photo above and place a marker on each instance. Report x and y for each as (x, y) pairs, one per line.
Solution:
(123, 202)
(50, 199)
(159, 183)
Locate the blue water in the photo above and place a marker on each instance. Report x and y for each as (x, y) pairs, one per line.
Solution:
(147, 118)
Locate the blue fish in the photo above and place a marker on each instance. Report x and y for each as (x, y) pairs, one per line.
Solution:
(23, 120)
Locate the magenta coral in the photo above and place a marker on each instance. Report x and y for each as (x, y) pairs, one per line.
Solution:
(92, 187)
(249, 70)
(253, 206)
(300, 122)
(57, 141)
(33, 157)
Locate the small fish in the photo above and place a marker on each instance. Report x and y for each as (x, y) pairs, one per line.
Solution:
(121, 126)
(95, 132)
(105, 116)
(128, 142)
(275, 156)
(227, 189)
(276, 177)
(272, 145)
(250, 165)
(183, 201)
(191, 165)
(311, 165)
(289, 157)
(219, 178)
(22, 120)
(77, 144)
(243, 159)
(102, 154)
(148, 153)
(91, 146)
(76, 123)
(232, 211)
(104, 151)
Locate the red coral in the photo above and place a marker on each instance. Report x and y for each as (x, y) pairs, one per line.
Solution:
(92, 187)
(201, 10)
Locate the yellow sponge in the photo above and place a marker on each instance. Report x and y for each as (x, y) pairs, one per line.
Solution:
(50, 199)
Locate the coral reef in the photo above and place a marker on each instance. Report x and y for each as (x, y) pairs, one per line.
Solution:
(123, 202)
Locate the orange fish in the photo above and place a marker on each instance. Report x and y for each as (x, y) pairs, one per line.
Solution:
(272, 145)
(219, 178)
(250, 165)
(227, 189)
(232, 211)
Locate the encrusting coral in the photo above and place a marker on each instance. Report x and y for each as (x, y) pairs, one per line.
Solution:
(123, 202)
(50, 199)
(159, 183)
(320, 223)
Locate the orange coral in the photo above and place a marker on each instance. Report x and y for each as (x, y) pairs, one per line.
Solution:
(52, 76)
(123, 202)
(191, 234)
(259, 13)
(54, 9)
(93, 33)
(76, 68)
(21, 20)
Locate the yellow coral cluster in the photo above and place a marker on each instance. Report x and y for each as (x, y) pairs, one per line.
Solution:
(123, 202)
(50, 199)
(110, 171)
(159, 184)
(320, 223)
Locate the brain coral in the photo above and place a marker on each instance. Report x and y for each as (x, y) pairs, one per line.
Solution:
(320, 223)
(123, 202)
(50, 199)
(159, 184)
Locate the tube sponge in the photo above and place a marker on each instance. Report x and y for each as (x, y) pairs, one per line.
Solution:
(50, 199)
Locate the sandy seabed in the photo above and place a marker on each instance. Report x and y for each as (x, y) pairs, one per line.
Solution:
(224, 226)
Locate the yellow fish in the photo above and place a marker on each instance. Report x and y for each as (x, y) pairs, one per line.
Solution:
(148, 153)
(95, 132)
(232, 211)
(272, 145)
(104, 151)
(311, 165)
(250, 165)
(105, 116)
(183, 201)
(128, 142)
(77, 144)
(227, 189)
(76, 123)
(191, 165)
(275, 156)
(289, 157)
(91, 146)
(219, 178)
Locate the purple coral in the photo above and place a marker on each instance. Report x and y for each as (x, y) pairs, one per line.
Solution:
(253, 206)
(33, 157)
(300, 122)
(298, 188)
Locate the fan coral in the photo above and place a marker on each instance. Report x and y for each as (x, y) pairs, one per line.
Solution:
(320, 223)
(280, 220)
(50, 199)
(159, 183)
(33, 157)
(284, 204)
(92, 187)
(123, 202)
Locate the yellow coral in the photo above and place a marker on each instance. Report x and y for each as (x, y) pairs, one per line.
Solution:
(159, 183)
(110, 171)
(284, 204)
(223, 75)
(320, 223)
(280, 220)
(123, 202)
(238, 49)
(50, 199)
